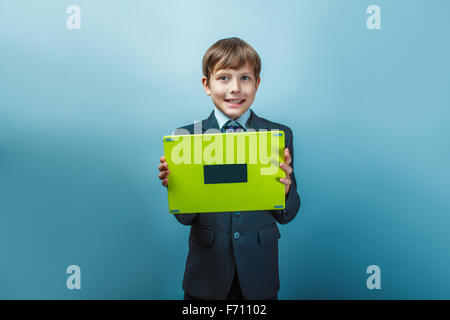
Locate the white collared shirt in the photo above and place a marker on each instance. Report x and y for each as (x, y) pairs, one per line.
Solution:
(222, 118)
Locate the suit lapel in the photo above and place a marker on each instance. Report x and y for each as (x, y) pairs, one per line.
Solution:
(210, 123)
(256, 122)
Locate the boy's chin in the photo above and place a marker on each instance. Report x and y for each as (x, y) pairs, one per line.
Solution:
(234, 113)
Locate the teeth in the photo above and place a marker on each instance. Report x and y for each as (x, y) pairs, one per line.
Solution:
(235, 101)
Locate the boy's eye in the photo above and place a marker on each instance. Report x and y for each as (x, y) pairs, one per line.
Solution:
(226, 78)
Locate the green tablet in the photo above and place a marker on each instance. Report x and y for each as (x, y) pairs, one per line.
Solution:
(219, 172)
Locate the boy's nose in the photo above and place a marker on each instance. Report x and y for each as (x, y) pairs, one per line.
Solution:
(235, 87)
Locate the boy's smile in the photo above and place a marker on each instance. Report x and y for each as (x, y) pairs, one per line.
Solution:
(232, 90)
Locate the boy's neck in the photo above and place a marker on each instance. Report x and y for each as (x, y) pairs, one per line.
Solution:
(223, 118)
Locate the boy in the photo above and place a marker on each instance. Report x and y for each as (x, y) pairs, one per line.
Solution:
(234, 255)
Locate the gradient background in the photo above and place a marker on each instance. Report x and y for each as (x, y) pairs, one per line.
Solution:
(83, 113)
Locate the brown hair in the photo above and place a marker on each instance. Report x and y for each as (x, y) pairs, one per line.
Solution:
(230, 53)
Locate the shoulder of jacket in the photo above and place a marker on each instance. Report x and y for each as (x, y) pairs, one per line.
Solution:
(276, 125)
(187, 129)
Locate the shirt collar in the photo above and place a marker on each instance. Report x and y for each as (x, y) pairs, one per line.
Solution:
(222, 118)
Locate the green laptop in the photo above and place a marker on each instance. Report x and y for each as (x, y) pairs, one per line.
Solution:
(221, 172)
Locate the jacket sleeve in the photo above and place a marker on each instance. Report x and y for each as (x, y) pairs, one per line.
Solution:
(184, 218)
(292, 197)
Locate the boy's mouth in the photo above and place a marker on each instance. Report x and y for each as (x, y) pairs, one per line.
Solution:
(235, 102)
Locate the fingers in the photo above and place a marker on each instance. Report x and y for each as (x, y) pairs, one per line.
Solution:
(286, 164)
(163, 174)
(286, 167)
(286, 181)
(164, 171)
(163, 166)
(287, 184)
(287, 156)
(163, 177)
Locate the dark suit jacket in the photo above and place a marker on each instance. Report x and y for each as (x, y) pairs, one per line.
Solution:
(222, 242)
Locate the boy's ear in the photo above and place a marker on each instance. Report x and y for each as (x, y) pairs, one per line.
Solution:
(257, 82)
(206, 86)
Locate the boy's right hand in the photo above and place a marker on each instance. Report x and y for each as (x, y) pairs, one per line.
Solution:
(164, 171)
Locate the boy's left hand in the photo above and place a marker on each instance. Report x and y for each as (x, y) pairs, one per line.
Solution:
(287, 168)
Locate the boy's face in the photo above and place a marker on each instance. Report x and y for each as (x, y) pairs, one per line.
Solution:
(232, 91)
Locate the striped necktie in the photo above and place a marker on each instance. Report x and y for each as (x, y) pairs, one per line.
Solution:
(231, 126)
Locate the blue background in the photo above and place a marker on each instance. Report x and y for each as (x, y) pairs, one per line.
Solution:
(83, 112)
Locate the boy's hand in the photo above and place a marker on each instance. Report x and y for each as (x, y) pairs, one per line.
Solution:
(287, 168)
(164, 168)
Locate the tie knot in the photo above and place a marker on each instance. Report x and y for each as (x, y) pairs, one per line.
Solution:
(232, 126)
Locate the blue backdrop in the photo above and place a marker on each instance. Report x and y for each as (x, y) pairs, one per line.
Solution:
(83, 112)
